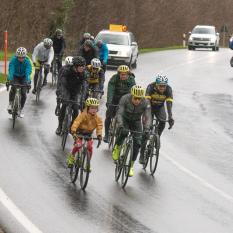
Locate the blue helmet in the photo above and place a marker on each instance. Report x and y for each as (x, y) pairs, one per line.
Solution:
(161, 80)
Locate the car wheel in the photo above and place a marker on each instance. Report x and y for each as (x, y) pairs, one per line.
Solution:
(214, 48)
(134, 65)
(130, 65)
(190, 47)
(217, 48)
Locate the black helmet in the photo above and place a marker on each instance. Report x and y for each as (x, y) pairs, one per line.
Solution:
(88, 43)
(79, 61)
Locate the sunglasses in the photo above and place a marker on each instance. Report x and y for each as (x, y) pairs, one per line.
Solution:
(137, 98)
(161, 86)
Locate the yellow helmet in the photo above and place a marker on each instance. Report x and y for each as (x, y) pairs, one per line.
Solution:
(138, 91)
(92, 102)
(123, 69)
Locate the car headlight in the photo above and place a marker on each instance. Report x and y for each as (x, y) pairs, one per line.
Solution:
(212, 40)
(190, 39)
(124, 53)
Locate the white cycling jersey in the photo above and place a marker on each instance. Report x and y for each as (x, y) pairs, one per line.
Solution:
(40, 53)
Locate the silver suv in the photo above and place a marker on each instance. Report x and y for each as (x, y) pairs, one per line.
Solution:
(203, 37)
(122, 46)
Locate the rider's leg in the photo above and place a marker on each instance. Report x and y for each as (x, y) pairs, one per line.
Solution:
(12, 95)
(35, 80)
(59, 63)
(46, 71)
(160, 114)
(110, 113)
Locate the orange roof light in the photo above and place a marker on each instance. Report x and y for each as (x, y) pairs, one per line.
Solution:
(117, 27)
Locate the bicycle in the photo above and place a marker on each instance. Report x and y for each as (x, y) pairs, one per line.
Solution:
(39, 81)
(152, 148)
(66, 124)
(94, 93)
(16, 106)
(123, 164)
(112, 130)
(55, 70)
(82, 162)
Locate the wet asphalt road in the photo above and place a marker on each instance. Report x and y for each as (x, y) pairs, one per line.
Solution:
(192, 190)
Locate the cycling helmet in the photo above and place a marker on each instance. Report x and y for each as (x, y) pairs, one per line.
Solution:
(123, 69)
(92, 102)
(69, 60)
(161, 80)
(78, 61)
(21, 52)
(96, 63)
(88, 43)
(138, 91)
(48, 42)
(86, 35)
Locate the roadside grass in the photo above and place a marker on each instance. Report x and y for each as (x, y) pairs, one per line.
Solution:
(2, 80)
(9, 55)
(149, 50)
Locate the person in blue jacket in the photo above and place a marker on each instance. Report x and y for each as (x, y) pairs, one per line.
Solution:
(20, 69)
(103, 53)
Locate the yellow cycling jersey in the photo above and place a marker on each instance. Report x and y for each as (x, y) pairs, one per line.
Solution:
(94, 77)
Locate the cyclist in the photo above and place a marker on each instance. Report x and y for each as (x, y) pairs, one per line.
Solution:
(59, 46)
(72, 87)
(159, 92)
(96, 75)
(86, 36)
(20, 69)
(85, 124)
(88, 51)
(103, 53)
(134, 111)
(119, 85)
(43, 53)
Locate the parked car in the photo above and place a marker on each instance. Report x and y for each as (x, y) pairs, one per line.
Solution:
(203, 36)
(122, 46)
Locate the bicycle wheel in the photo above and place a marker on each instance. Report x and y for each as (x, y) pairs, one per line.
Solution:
(154, 154)
(119, 163)
(14, 111)
(74, 170)
(65, 131)
(85, 169)
(126, 164)
(112, 134)
(38, 86)
(147, 154)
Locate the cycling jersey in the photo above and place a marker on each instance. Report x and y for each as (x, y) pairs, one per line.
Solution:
(87, 123)
(95, 77)
(42, 54)
(59, 45)
(158, 99)
(20, 69)
(117, 87)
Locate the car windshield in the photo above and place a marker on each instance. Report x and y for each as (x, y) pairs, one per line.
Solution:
(203, 31)
(113, 39)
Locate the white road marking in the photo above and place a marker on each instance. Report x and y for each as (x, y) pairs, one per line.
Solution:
(16, 212)
(200, 179)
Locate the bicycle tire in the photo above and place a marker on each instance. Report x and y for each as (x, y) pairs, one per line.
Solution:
(74, 170)
(154, 155)
(38, 86)
(84, 169)
(147, 154)
(127, 164)
(14, 111)
(119, 163)
(112, 134)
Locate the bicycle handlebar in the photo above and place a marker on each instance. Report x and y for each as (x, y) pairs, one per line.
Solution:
(68, 101)
(17, 85)
(87, 138)
(98, 91)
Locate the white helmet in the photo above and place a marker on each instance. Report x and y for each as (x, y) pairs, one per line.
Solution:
(48, 42)
(21, 52)
(69, 60)
(96, 63)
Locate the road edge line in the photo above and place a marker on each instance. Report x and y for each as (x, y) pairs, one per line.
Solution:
(17, 213)
(200, 179)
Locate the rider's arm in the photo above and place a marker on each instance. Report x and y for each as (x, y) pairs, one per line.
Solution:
(51, 56)
(28, 70)
(169, 101)
(111, 89)
(121, 110)
(99, 127)
(11, 69)
(35, 53)
(147, 117)
(79, 119)
(105, 53)
(102, 79)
